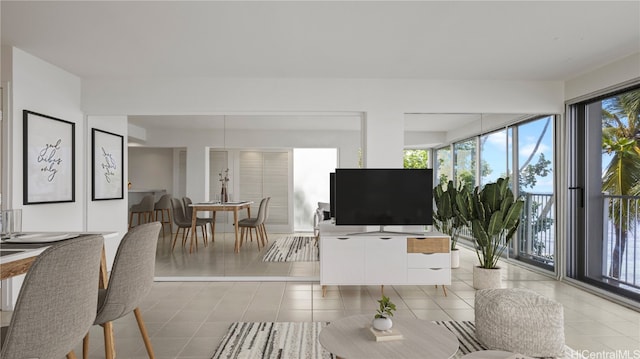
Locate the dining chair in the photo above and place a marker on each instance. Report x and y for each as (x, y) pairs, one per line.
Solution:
(162, 207)
(255, 223)
(57, 301)
(181, 221)
(129, 283)
(145, 209)
(200, 222)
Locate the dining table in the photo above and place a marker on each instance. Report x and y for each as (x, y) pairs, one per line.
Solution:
(214, 207)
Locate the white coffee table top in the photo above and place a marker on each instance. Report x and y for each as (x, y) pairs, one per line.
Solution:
(350, 338)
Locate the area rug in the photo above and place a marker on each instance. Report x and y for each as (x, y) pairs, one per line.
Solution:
(292, 249)
(284, 340)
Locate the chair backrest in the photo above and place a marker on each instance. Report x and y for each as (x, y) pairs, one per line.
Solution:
(179, 218)
(187, 210)
(146, 205)
(57, 302)
(164, 202)
(132, 272)
(266, 209)
(262, 210)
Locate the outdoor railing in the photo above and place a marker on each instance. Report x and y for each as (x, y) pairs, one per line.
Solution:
(621, 240)
(537, 228)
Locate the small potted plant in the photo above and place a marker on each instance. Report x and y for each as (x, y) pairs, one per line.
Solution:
(382, 320)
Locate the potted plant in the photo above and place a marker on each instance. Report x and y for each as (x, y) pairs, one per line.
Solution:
(382, 320)
(494, 214)
(447, 218)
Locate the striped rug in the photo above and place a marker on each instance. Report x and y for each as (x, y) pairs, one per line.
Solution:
(281, 340)
(292, 249)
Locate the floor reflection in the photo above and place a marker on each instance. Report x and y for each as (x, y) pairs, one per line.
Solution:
(217, 259)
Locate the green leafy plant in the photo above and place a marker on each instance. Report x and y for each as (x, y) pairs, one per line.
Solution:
(495, 216)
(447, 217)
(386, 308)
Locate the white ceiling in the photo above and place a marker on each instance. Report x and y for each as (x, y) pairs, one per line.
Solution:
(501, 40)
(450, 40)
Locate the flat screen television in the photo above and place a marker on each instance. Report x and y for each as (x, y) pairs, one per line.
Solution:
(372, 196)
(332, 194)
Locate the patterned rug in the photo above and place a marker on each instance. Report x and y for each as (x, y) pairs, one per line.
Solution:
(282, 340)
(293, 249)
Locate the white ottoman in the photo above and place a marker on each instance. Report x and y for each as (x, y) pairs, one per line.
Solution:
(519, 321)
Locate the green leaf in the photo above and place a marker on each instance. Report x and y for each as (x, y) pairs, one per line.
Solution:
(495, 224)
(512, 217)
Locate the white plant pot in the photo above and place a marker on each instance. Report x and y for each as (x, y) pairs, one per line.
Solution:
(486, 278)
(382, 324)
(455, 258)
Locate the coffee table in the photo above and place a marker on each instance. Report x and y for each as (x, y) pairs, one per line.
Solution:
(350, 338)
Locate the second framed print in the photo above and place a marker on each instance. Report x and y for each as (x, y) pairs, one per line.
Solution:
(48, 159)
(107, 157)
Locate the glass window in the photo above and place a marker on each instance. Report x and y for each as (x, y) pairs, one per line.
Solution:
(535, 184)
(464, 154)
(415, 158)
(495, 151)
(442, 165)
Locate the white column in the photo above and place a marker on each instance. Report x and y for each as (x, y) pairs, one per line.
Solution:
(198, 173)
(383, 137)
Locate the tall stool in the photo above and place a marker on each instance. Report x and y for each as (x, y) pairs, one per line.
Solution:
(162, 207)
(144, 210)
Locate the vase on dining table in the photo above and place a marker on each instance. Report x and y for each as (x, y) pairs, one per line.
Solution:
(224, 196)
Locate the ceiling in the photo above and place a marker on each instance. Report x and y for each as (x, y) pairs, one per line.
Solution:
(451, 40)
(447, 40)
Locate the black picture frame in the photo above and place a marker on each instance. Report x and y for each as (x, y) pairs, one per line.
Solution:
(48, 159)
(107, 161)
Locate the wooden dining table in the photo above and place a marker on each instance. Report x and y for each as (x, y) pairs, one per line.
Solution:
(212, 207)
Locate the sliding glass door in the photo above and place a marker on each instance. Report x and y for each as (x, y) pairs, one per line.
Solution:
(605, 192)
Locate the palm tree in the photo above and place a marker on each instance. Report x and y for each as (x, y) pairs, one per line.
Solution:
(621, 137)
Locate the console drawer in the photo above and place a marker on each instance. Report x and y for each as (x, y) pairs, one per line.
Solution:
(417, 276)
(428, 245)
(428, 260)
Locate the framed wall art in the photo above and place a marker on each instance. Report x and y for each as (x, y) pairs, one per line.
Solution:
(107, 158)
(48, 159)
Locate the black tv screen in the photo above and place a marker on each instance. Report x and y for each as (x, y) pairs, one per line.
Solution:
(374, 196)
(332, 194)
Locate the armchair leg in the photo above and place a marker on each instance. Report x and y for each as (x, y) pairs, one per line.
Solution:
(71, 355)
(143, 331)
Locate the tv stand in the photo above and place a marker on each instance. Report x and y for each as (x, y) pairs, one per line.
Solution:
(383, 258)
(382, 231)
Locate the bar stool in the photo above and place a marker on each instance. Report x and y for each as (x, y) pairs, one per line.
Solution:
(160, 208)
(145, 209)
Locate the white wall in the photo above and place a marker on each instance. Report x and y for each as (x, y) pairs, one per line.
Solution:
(107, 215)
(151, 168)
(383, 101)
(41, 87)
(613, 74)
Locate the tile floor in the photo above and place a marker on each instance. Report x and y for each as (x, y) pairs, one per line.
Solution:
(188, 319)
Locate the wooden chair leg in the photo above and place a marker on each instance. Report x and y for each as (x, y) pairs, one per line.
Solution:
(109, 345)
(143, 331)
(130, 220)
(71, 355)
(85, 347)
(175, 239)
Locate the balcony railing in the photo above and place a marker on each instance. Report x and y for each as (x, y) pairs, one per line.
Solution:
(621, 240)
(537, 228)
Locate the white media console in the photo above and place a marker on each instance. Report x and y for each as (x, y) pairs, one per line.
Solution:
(382, 258)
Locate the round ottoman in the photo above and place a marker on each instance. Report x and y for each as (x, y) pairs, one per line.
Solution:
(520, 321)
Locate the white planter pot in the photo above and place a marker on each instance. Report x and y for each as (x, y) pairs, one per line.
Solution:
(486, 278)
(455, 258)
(382, 324)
